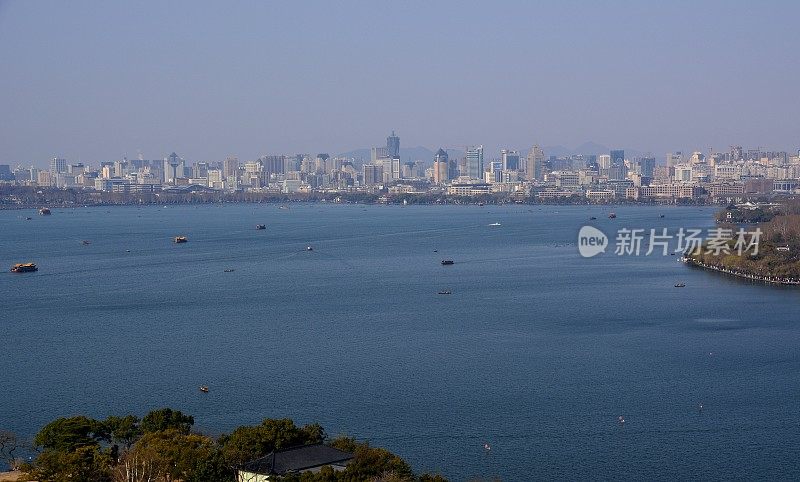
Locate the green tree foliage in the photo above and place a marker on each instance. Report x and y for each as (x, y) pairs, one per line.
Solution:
(162, 448)
(81, 464)
(250, 442)
(68, 434)
(166, 419)
(123, 430)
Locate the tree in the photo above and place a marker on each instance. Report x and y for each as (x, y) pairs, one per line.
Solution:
(9, 444)
(68, 434)
(166, 419)
(123, 430)
(83, 464)
(184, 455)
(249, 442)
(369, 463)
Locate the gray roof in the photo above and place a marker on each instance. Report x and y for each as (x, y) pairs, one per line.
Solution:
(296, 459)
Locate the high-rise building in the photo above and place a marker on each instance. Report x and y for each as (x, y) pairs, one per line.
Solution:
(230, 167)
(618, 170)
(647, 166)
(173, 168)
(441, 167)
(534, 164)
(373, 174)
(474, 162)
(510, 160)
(673, 159)
(378, 153)
(58, 165)
(393, 146)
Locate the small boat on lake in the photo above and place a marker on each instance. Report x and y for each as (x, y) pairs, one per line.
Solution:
(680, 285)
(447, 262)
(309, 248)
(259, 227)
(495, 224)
(24, 268)
(592, 218)
(445, 292)
(45, 212)
(86, 242)
(612, 216)
(181, 239)
(204, 388)
(229, 270)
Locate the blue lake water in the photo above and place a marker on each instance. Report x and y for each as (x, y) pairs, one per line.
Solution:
(536, 352)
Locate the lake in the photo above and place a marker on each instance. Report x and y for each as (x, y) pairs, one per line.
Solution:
(536, 352)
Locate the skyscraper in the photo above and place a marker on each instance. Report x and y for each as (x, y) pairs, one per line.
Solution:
(534, 165)
(617, 171)
(441, 167)
(173, 168)
(510, 160)
(393, 146)
(58, 165)
(230, 167)
(474, 162)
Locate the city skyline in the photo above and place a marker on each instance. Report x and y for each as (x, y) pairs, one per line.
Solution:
(94, 81)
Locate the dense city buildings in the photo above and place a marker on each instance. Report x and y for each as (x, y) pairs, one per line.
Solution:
(606, 177)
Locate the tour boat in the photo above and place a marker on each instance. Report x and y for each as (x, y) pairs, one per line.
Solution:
(680, 285)
(44, 212)
(24, 268)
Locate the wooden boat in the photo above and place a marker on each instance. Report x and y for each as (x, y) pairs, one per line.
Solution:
(181, 239)
(24, 268)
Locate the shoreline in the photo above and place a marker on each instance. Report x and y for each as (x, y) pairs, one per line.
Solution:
(773, 280)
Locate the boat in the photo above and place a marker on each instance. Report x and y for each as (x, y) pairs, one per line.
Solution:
(495, 224)
(45, 212)
(445, 292)
(181, 239)
(24, 268)
(592, 218)
(447, 262)
(662, 216)
(261, 226)
(309, 248)
(229, 270)
(680, 285)
(204, 388)
(28, 218)
(86, 242)
(612, 216)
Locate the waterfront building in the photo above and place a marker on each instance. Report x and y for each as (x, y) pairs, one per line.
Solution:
(393, 146)
(474, 162)
(510, 160)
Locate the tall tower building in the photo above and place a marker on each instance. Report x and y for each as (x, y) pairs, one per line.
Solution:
(173, 168)
(58, 165)
(510, 160)
(534, 165)
(617, 170)
(474, 162)
(441, 167)
(230, 167)
(392, 146)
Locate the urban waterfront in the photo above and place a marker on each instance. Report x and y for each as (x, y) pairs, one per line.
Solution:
(536, 352)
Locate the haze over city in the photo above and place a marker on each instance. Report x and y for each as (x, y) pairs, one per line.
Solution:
(94, 81)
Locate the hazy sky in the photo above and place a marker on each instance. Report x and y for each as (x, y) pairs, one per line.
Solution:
(94, 80)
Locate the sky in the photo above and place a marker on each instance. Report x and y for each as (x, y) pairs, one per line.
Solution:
(97, 80)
